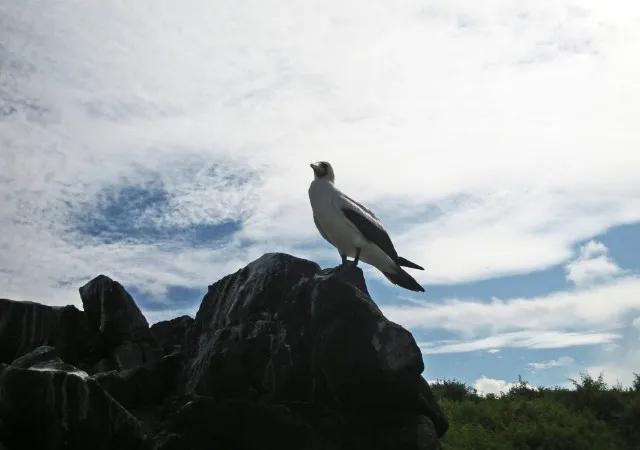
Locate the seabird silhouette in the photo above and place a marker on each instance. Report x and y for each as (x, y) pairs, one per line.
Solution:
(354, 230)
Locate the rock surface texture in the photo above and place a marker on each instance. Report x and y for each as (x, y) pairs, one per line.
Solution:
(281, 355)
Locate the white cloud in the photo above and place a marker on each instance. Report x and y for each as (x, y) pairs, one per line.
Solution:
(562, 319)
(593, 249)
(493, 350)
(519, 339)
(484, 386)
(552, 363)
(593, 265)
(511, 130)
(636, 323)
(599, 307)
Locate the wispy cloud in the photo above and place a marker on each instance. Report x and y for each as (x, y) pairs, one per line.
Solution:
(598, 307)
(520, 339)
(552, 363)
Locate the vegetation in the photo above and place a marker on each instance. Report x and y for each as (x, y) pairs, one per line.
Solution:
(592, 415)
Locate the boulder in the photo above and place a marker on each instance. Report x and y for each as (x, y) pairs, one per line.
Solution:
(250, 335)
(204, 423)
(52, 405)
(170, 334)
(125, 338)
(111, 310)
(42, 354)
(27, 325)
(283, 331)
(281, 354)
(146, 385)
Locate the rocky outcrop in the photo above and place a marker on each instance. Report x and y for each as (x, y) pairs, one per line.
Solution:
(48, 404)
(144, 386)
(124, 333)
(111, 310)
(281, 355)
(169, 334)
(282, 331)
(27, 325)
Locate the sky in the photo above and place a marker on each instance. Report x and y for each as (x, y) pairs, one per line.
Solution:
(167, 144)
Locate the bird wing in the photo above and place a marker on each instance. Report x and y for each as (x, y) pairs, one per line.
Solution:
(369, 225)
(361, 206)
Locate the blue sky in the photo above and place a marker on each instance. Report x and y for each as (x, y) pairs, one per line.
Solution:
(167, 144)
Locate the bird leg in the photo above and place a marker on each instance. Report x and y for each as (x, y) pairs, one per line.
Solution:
(357, 258)
(344, 259)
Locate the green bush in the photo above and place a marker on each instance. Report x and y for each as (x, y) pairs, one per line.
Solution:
(453, 390)
(592, 415)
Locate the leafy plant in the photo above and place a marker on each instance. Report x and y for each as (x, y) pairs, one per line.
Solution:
(590, 415)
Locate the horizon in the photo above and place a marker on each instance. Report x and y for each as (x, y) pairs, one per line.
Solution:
(168, 145)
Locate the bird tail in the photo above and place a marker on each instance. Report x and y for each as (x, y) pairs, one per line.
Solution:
(403, 279)
(406, 263)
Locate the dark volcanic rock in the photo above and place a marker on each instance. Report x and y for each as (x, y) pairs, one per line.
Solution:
(113, 312)
(42, 354)
(169, 334)
(238, 340)
(145, 385)
(281, 355)
(282, 331)
(205, 423)
(46, 407)
(27, 325)
(124, 332)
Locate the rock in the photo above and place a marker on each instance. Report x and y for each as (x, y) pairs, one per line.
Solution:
(280, 355)
(250, 334)
(146, 385)
(112, 311)
(76, 340)
(124, 332)
(45, 358)
(129, 355)
(281, 330)
(170, 334)
(41, 354)
(50, 408)
(203, 423)
(27, 325)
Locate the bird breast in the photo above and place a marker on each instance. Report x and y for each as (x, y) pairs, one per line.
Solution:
(325, 203)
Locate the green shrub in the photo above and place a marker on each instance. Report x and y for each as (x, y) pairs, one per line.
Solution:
(453, 390)
(590, 416)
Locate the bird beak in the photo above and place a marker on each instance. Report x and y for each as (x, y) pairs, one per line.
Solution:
(316, 169)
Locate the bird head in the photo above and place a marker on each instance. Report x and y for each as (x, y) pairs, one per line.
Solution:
(323, 171)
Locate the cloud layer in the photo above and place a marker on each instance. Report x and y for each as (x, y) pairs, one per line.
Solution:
(602, 307)
(167, 144)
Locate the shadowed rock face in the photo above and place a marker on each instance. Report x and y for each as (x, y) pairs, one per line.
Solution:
(124, 333)
(169, 334)
(27, 325)
(112, 311)
(48, 404)
(282, 330)
(280, 355)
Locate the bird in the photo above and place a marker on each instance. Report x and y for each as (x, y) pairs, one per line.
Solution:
(354, 230)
